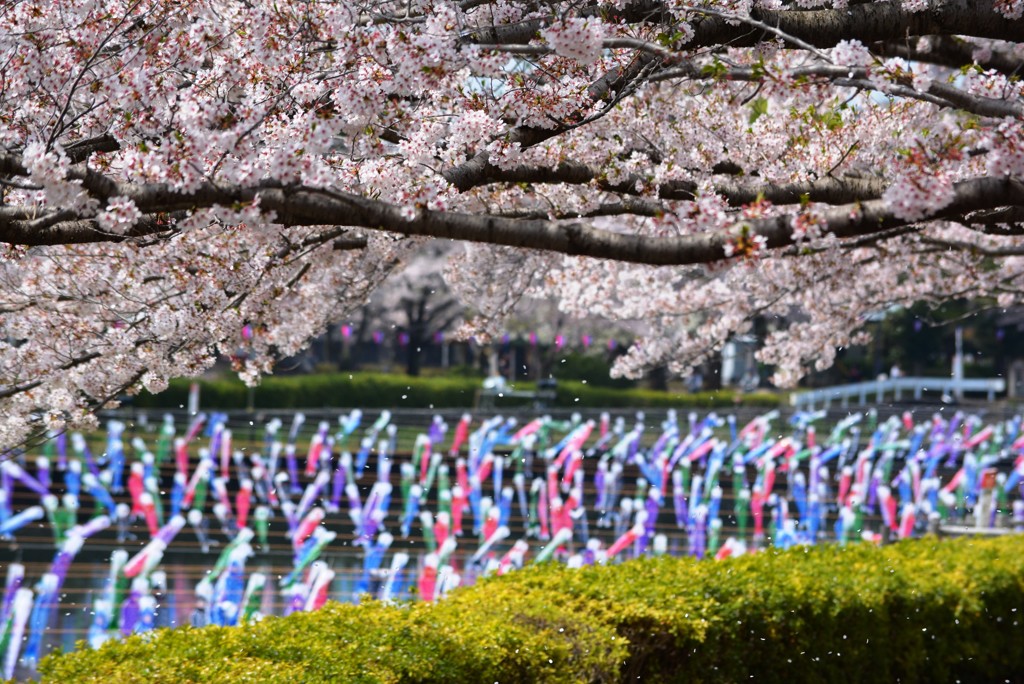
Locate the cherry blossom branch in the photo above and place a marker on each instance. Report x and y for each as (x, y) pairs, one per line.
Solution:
(972, 248)
(32, 384)
(306, 206)
(538, 50)
(617, 80)
(1002, 221)
(952, 51)
(940, 94)
(944, 96)
(38, 434)
(852, 220)
(936, 93)
(880, 236)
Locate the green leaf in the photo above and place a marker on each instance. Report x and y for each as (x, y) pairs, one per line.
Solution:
(716, 70)
(758, 108)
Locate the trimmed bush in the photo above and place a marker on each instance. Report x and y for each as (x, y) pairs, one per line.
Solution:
(364, 390)
(917, 611)
(381, 390)
(576, 394)
(595, 370)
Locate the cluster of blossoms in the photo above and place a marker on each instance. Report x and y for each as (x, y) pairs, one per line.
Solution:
(468, 133)
(925, 173)
(889, 72)
(1011, 9)
(48, 169)
(992, 84)
(745, 243)
(120, 215)
(808, 224)
(576, 38)
(920, 191)
(851, 53)
(707, 212)
(1006, 144)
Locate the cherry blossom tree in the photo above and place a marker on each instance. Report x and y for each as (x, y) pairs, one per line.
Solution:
(181, 178)
(418, 302)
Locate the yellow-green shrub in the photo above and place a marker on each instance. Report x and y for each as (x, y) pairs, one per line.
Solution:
(918, 611)
(383, 390)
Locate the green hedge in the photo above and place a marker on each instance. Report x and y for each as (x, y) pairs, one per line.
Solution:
(918, 611)
(594, 369)
(381, 390)
(364, 390)
(579, 394)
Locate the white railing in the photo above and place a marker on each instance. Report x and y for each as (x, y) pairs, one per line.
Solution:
(877, 390)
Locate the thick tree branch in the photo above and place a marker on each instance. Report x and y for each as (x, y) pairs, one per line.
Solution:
(827, 189)
(868, 22)
(578, 239)
(953, 52)
(307, 206)
(75, 231)
(80, 150)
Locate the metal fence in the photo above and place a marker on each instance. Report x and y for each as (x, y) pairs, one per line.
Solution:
(915, 388)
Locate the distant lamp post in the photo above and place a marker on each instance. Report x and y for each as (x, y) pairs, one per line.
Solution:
(958, 362)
